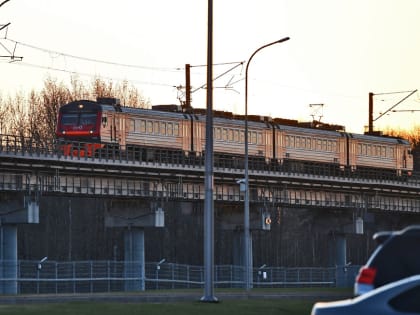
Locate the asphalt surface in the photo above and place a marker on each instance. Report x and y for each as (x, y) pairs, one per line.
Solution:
(170, 297)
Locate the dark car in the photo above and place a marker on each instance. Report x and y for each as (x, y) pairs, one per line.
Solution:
(399, 297)
(396, 257)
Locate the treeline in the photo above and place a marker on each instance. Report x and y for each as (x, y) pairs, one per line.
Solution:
(34, 115)
(413, 136)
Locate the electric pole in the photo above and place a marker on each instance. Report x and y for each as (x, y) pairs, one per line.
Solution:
(187, 87)
(10, 54)
(371, 119)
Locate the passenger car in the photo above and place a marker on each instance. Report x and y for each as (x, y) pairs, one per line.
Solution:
(105, 128)
(400, 297)
(396, 257)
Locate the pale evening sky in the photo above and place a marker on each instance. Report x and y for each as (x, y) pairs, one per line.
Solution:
(338, 52)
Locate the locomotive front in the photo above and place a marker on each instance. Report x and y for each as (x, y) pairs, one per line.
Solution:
(78, 128)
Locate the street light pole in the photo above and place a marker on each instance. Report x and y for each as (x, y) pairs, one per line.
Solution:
(247, 243)
(209, 178)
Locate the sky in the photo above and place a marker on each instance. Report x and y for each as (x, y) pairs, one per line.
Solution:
(338, 52)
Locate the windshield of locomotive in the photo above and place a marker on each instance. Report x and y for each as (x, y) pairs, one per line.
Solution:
(78, 120)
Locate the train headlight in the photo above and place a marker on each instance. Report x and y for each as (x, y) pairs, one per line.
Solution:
(63, 132)
(80, 106)
(91, 131)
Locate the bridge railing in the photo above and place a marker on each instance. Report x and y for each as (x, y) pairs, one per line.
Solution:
(53, 149)
(53, 277)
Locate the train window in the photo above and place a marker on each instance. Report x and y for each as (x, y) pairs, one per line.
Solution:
(391, 153)
(242, 136)
(230, 134)
(319, 144)
(170, 129)
(334, 146)
(308, 143)
(369, 150)
(324, 145)
(142, 127)
(359, 149)
(253, 137)
(217, 133)
(104, 121)
(383, 151)
(149, 126)
(259, 138)
(236, 135)
(364, 149)
(132, 125)
(224, 134)
(176, 129)
(87, 119)
(297, 142)
(162, 128)
(329, 145)
(156, 127)
(287, 141)
(69, 119)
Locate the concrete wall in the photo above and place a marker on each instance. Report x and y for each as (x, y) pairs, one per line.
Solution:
(74, 229)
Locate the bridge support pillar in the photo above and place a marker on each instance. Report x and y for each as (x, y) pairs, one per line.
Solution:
(8, 264)
(239, 259)
(15, 208)
(341, 260)
(134, 216)
(134, 261)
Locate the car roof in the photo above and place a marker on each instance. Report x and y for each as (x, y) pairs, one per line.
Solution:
(370, 302)
(393, 288)
(412, 230)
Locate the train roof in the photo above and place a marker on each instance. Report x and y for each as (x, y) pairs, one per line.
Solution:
(175, 111)
(87, 105)
(376, 138)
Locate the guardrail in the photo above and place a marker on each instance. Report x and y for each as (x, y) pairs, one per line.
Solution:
(53, 277)
(11, 145)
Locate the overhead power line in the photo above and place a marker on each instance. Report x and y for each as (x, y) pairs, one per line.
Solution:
(49, 51)
(113, 63)
(4, 2)
(92, 75)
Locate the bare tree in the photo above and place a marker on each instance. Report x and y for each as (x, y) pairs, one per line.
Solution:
(53, 96)
(35, 116)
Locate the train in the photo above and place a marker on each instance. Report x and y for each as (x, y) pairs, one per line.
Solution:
(105, 128)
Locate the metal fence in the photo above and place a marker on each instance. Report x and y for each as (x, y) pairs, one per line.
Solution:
(34, 277)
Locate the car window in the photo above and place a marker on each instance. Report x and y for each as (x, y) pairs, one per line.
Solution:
(408, 301)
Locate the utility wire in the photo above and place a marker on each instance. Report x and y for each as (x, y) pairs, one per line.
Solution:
(4, 2)
(49, 51)
(221, 75)
(177, 69)
(91, 75)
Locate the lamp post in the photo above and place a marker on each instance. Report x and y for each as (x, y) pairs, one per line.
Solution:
(209, 178)
(247, 244)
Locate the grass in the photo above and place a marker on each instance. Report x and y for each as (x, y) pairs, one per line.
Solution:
(242, 307)
(270, 306)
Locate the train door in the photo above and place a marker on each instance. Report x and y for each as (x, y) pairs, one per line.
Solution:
(121, 133)
(268, 143)
(354, 151)
(198, 137)
(108, 131)
(112, 121)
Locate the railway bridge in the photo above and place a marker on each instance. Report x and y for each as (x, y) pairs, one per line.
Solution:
(142, 192)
